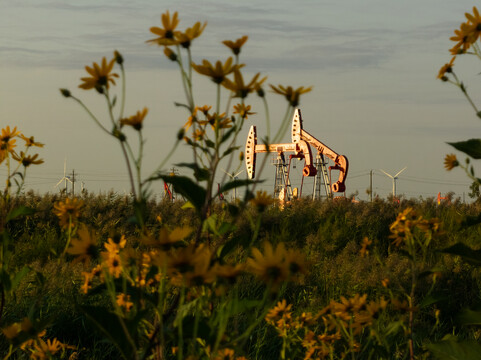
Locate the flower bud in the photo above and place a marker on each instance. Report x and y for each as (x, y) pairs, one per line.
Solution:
(66, 93)
(119, 59)
(180, 134)
(170, 54)
(241, 156)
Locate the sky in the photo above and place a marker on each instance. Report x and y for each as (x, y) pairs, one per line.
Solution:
(372, 65)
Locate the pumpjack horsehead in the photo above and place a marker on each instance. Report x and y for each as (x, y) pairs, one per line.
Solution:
(301, 140)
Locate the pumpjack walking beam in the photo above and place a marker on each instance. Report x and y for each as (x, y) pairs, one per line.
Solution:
(300, 135)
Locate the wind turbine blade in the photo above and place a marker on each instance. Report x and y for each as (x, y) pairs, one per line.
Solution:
(64, 167)
(392, 177)
(401, 171)
(228, 174)
(240, 172)
(59, 182)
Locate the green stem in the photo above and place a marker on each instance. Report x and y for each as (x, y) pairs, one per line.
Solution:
(91, 115)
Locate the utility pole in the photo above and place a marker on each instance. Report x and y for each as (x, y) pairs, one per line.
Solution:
(73, 182)
(370, 185)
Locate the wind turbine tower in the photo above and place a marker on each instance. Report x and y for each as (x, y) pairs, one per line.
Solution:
(234, 176)
(65, 178)
(394, 178)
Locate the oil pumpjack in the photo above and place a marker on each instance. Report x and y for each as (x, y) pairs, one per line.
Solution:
(300, 146)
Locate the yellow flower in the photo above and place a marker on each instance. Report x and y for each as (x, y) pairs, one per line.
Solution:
(262, 200)
(224, 354)
(113, 245)
(136, 120)
(239, 88)
(236, 45)
(243, 110)
(280, 311)
(165, 34)
(27, 160)
(290, 94)
(450, 162)
(183, 260)
(84, 247)
(166, 239)
(270, 267)
(475, 22)
(68, 212)
(464, 37)
(7, 141)
(385, 282)
(365, 244)
(11, 331)
(447, 68)
(45, 350)
(296, 263)
(113, 262)
(123, 301)
(217, 72)
(100, 76)
(30, 141)
(185, 38)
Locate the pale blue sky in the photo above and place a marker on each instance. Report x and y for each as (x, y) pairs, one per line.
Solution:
(373, 65)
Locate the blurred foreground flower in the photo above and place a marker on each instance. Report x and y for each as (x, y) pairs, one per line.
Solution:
(290, 94)
(68, 211)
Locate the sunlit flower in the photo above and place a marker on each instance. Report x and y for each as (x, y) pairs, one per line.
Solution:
(136, 121)
(385, 282)
(262, 200)
(113, 263)
(68, 212)
(224, 354)
(30, 141)
(243, 110)
(123, 301)
(185, 38)
(236, 45)
(446, 68)
(364, 246)
(100, 77)
(290, 94)
(27, 160)
(84, 247)
(11, 331)
(166, 239)
(239, 88)
(475, 22)
(464, 38)
(229, 272)
(280, 311)
(165, 34)
(217, 72)
(45, 350)
(450, 162)
(217, 121)
(7, 141)
(114, 244)
(270, 267)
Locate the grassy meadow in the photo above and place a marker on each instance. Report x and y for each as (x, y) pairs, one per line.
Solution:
(104, 276)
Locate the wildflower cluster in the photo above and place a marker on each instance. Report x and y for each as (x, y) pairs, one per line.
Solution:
(10, 155)
(337, 328)
(30, 340)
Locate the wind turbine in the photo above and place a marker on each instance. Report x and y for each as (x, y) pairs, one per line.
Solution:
(394, 178)
(65, 177)
(234, 176)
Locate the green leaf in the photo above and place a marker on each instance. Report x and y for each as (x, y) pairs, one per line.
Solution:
(237, 183)
(432, 299)
(187, 188)
(469, 317)
(229, 246)
(451, 349)
(110, 326)
(470, 147)
(182, 105)
(229, 150)
(199, 173)
(19, 211)
(210, 143)
(469, 255)
(19, 276)
(227, 134)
